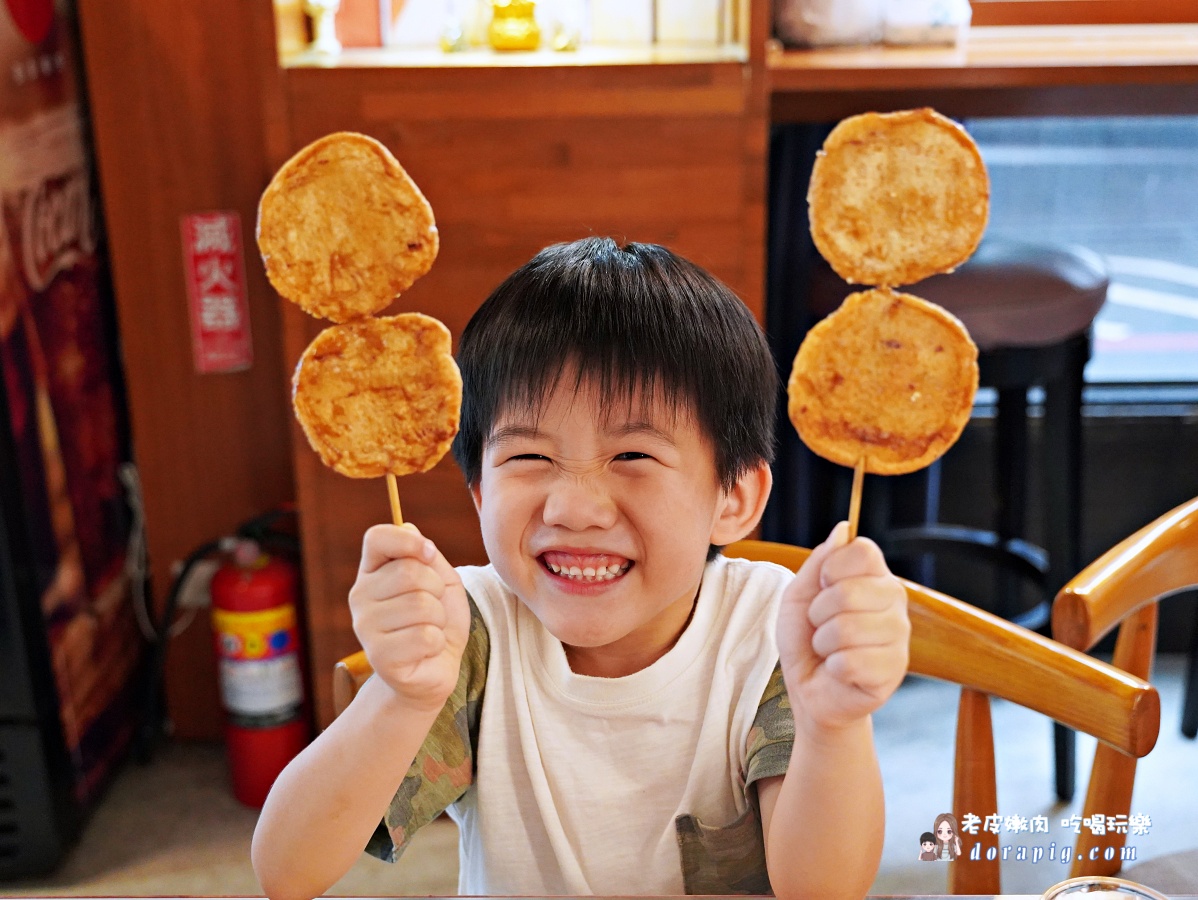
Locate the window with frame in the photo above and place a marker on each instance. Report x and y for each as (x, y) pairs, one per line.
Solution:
(1124, 187)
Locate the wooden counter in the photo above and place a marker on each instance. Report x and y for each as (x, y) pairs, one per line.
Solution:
(1031, 71)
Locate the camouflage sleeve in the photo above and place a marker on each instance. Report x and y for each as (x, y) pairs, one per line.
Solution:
(730, 859)
(444, 767)
(772, 734)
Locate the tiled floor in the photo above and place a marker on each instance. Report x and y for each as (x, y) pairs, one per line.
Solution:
(173, 827)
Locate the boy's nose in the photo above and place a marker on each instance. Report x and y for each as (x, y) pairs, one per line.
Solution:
(578, 504)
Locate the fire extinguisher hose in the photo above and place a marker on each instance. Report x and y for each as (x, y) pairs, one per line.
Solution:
(259, 528)
(150, 725)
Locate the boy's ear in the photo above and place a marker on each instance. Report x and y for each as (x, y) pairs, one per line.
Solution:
(743, 506)
(476, 494)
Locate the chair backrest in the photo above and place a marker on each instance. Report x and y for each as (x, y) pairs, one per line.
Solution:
(349, 674)
(1121, 588)
(987, 656)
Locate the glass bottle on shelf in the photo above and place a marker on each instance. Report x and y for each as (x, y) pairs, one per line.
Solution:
(453, 38)
(565, 24)
(324, 25)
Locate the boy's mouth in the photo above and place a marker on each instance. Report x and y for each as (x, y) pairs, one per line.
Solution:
(585, 568)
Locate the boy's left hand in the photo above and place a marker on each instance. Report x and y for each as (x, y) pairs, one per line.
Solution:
(843, 633)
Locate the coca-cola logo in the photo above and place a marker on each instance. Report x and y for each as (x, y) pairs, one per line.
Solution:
(32, 17)
(58, 228)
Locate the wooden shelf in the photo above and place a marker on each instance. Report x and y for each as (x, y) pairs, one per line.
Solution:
(1040, 70)
(999, 57)
(434, 58)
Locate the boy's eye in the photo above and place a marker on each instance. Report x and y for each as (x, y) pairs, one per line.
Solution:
(631, 455)
(529, 456)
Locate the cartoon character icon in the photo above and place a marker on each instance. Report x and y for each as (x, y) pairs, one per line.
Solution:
(927, 847)
(948, 844)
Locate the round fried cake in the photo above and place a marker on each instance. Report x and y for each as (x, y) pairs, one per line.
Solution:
(343, 230)
(887, 376)
(897, 197)
(379, 395)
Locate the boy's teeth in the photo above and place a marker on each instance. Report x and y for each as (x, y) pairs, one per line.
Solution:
(588, 573)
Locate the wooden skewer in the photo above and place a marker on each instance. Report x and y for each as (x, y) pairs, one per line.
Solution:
(393, 493)
(855, 497)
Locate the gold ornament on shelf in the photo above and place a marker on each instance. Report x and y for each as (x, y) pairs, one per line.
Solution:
(513, 25)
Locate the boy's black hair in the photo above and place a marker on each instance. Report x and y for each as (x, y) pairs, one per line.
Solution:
(628, 318)
(927, 838)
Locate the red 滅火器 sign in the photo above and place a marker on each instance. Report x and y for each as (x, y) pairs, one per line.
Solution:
(220, 321)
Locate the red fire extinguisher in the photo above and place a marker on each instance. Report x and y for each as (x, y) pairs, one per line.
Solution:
(254, 599)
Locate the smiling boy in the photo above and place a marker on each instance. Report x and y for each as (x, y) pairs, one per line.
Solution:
(610, 706)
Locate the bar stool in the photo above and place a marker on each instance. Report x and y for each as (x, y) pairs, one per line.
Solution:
(1029, 308)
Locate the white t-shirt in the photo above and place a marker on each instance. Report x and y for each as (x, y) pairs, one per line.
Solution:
(578, 781)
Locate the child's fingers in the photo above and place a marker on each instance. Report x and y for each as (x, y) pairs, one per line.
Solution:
(383, 543)
(413, 608)
(874, 670)
(453, 596)
(395, 578)
(858, 629)
(860, 556)
(865, 593)
(806, 583)
(794, 627)
(439, 564)
(408, 646)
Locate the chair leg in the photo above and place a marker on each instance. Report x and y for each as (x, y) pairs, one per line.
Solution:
(1189, 713)
(1110, 791)
(1064, 745)
(1010, 501)
(931, 516)
(975, 791)
(1062, 467)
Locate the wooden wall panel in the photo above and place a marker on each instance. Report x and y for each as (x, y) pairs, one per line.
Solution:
(1082, 12)
(511, 160)
(192, 112)
(177, 93)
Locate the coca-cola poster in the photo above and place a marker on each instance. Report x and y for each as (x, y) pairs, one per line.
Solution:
(58, 356)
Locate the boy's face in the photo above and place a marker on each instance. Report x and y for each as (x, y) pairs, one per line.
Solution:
(928, 846)
(601, 525)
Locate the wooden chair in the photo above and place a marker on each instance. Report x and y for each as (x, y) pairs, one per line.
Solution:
(1121, 588)
(986, 655)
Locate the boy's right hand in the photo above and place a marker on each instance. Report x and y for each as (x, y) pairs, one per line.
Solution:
(410, 614)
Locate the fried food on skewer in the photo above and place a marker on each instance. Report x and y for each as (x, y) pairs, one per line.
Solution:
(380, 395)
(343, 230)
(888, 377)
(897, 197)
